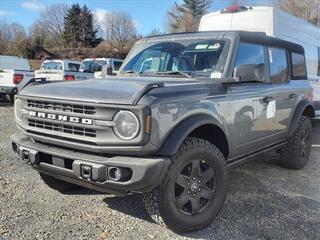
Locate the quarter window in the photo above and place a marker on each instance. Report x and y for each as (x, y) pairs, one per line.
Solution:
(278, 65)
(298, 65)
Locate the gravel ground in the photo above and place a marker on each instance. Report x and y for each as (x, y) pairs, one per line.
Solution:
(264, 201)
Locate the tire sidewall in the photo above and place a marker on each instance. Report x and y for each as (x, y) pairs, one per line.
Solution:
(168, 209)
(306, 125)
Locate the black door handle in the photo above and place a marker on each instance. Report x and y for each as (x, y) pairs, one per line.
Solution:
(293, 95)
(267, 99)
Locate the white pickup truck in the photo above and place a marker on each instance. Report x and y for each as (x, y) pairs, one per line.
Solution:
(57, 70)
(12, 71)
(94, 65)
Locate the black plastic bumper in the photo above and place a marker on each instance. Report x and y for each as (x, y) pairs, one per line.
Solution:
(89, 170)
(8, 90)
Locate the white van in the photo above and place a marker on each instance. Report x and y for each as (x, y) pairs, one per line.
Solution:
(12, 71)
(277, 23)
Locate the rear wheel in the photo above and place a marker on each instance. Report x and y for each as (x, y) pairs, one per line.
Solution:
(194, 189)
(295, 154)
(60, 186)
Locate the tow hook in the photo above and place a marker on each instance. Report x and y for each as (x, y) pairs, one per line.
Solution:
(89, 171)
(86, 171)
(27, 155)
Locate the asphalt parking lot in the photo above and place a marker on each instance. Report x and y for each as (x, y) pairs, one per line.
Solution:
(264, 201)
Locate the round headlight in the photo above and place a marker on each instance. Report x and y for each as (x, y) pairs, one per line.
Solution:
(127, 125)
(17, 110)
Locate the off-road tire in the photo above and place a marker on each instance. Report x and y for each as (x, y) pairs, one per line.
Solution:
(60, 186)
(291, 154)
(160, 203)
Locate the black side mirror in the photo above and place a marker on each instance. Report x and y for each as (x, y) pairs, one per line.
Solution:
(107, 70)
(250, 72)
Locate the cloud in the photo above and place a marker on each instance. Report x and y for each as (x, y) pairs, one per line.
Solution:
(6, 13)
(33, 5)
(101, 14)
(136, 24)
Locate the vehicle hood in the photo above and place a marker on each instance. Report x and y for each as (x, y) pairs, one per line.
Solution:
(114, 91)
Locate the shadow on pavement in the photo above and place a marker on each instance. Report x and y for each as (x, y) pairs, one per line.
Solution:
(130, 204)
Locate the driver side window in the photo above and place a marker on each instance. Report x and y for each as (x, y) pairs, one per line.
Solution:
(251, 58)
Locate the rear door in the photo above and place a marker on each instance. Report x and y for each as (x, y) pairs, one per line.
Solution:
(284, 95)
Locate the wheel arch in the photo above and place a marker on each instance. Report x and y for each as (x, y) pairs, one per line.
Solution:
(202, 126)
(304, 108)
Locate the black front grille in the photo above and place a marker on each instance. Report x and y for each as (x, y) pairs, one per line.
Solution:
(62, 107)
(79, 131)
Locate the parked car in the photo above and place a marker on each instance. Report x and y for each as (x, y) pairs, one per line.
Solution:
(12, 71)
(57, 70)
(277, 23)
(204, 102)
(95, 65)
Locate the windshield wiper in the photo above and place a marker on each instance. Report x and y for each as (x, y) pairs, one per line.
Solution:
(188, 75)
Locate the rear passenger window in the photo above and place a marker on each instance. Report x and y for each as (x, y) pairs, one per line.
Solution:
(298, 65)
(278, 65)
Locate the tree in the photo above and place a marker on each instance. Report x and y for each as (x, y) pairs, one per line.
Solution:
(154, 32)
(11, 36)
(307, 9)
(185, 17)
(72, 31)
(119, 31)
(78, 28)
(88, 33)
(51, 24)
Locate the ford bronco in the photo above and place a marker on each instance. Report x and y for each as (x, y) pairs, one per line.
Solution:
(184, 109)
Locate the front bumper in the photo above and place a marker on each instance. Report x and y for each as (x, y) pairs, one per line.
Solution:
(91, 170)
(8, 90)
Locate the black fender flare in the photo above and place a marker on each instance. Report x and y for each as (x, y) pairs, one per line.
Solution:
(302, 105)
(176, 137)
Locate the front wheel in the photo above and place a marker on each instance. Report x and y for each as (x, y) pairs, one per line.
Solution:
(194, 189)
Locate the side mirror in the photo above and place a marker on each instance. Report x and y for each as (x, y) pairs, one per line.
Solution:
(107, 70)
(250, 72)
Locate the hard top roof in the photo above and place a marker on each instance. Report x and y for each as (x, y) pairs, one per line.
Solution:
(245, 36)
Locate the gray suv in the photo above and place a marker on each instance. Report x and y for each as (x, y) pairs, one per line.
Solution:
(184, 108)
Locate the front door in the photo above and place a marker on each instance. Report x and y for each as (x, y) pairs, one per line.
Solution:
(253, 128)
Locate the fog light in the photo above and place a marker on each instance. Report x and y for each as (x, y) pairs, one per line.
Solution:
(119, 174)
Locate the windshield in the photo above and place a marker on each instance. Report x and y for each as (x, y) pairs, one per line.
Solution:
(194, 57)
(51, 66)
(92, 66)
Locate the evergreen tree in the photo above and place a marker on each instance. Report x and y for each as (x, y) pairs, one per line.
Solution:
(72, 29)
(78, 27)
(186, 16)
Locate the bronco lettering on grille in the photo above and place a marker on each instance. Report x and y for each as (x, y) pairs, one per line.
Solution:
(62, 118)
